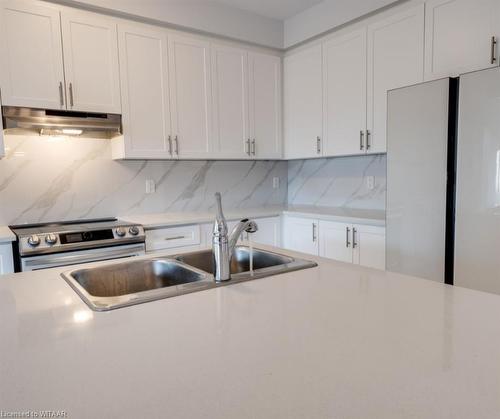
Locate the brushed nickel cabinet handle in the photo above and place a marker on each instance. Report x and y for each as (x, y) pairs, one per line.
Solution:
(318, 145)
(354, 242)
(247, 146)
(71, 100)
(253, 146)
(176, 139)
(170, 144)
(493, 48)
(368, 142)
(361, 140)
(61, 94)
(174, 238)
(314, 236)
(347, 242)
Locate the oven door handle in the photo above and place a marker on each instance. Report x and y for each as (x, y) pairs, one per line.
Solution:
(84, 258)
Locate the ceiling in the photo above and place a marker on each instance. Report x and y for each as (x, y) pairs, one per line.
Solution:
(274, 9)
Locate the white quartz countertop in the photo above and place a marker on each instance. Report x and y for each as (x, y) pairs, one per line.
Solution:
(347, 215)
(361, 216)
(6, 235)
(336, 341)
(197, 217)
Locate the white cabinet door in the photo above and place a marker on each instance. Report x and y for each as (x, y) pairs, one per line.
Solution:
(265, 105)
(344, 96)
(303, 103)
(2, 144)
(31, 68)
(190, 96)
(6, 260)
(145, 92)
(231, 138)
(395, 59)
(91, 62)
(335, 241)
(458, 36)
(269, 231)
(369, 246)
(301, 234)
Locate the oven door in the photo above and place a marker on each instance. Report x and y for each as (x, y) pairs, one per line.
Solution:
(33, 263)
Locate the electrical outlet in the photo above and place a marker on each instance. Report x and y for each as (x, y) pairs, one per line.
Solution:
(370, 182)
(276, 182)
(150, 186)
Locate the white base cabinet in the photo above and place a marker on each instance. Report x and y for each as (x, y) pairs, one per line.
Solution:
(300, 234)
(352, 243)
(6, 260)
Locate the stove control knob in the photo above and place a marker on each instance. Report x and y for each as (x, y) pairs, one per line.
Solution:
(120, 231)
(33, 240)
(51, 239)
(134, 230)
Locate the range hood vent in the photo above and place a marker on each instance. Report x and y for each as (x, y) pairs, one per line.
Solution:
(56, 122)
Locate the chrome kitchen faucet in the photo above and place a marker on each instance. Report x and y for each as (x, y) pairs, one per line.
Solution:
(223, 245)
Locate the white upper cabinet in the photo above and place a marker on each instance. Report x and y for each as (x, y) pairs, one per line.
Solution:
(91, 62)
(265, 105)
(395, 59)
(303, 103)
(145, 92)
(31, 70)
(190, 96)
(231, 136)
(344, 94)
(460, 36)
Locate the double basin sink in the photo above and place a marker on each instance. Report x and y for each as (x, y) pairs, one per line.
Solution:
(121, 284)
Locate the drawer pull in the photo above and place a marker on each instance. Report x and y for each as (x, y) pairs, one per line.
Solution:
(175, 238)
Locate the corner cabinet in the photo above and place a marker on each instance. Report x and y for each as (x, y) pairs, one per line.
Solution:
(395, 59)
(344, 100)
(145, 94)
(303, 103)
(460, 36)
(58, 59)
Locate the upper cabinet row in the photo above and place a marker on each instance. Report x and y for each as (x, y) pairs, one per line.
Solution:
(58, 59)
(180, 96)
(336, 89)
(184, 97)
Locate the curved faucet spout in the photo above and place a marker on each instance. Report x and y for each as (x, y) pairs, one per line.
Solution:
(246, 225)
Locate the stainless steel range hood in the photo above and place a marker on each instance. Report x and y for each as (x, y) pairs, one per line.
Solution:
(56, 122)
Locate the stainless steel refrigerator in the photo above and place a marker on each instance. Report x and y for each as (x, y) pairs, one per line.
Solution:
(443, 180)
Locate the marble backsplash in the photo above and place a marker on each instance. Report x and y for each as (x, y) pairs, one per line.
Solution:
(338, 182)
(47, 179)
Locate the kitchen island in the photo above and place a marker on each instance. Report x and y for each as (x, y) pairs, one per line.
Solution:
(335, 341)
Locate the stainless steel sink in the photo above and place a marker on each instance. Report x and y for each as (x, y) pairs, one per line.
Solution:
(121, 284)
(264, 263)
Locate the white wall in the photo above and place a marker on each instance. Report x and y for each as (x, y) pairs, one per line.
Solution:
(207, 16)
(326, 16)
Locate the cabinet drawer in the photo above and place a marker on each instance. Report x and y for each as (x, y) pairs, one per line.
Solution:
(171, 237)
